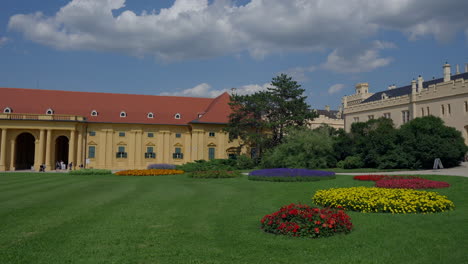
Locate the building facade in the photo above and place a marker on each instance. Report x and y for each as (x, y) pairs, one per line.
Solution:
(445, 97)
(332, 118)
(109, 131)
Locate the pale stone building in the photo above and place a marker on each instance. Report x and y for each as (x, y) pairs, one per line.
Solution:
(332, 118)
(445, 97)
(109, 131)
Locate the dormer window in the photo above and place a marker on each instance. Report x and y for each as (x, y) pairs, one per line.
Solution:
(49, 111)
(150, 115)
(384, 96)
(177, 116)
(7, 110)
(94, 113)
(123, 114)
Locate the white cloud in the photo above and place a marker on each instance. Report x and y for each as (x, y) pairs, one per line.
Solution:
(200, 29)
(205, 90)
(3, 40)
(353, 59)
(299, 74)
(335, 88)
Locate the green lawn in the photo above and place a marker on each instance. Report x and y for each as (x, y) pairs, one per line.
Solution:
(58, 218)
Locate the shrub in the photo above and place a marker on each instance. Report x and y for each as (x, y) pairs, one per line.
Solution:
(411, 184)
(302, 149)
(380, 177)
(154, 172)
(303, 221)
(283, 174)
(203, 165)
(383, 200)
(161, 166)
(214, 174)
(351, 162)
(90, 172)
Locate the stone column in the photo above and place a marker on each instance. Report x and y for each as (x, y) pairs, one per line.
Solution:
(110, 156)
(48, 153)
(79, 155)
(3, 150)
(12, 153)
(160, 147)
(138, 151)
(131, 150)
(42, 142)
(71, 148)
(201, 145)
(194, 145)
(101, 152)
(167, 150)
(188, 147)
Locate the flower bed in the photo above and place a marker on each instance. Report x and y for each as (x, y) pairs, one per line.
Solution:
(283, 174)
(214, 174)
(365, 199)
(303, 221)
(380, 177)
(153, 172)
(411, 184)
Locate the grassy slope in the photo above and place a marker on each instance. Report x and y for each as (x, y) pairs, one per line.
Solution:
(55, 218)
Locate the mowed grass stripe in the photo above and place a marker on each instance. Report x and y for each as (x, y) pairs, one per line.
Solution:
(7, 184)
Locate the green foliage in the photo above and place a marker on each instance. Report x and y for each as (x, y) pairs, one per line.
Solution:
(214, 174)
(90, 172)
(351, 162)
(302, 149)
(427, 138)
(262, 119)
(241, 163)
(290, 179)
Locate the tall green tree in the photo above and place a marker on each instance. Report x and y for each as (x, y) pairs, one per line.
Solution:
(261, 119)
(288, 107)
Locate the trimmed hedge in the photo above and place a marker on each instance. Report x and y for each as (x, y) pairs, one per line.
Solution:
(90, 172)
(290, 175)
(214, 174)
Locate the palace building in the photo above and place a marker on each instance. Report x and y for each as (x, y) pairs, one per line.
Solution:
(109, 131)
(332, 118)
(445, 97)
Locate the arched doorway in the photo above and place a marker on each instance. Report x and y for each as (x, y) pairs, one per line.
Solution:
(25, 147)
(61, 149)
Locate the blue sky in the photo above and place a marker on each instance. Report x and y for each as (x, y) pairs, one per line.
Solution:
(202, 48)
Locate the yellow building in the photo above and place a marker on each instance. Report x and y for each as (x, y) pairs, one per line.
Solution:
(109, 131)
(445, 97)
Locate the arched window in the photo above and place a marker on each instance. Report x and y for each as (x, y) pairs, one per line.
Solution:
(150, 115)
(7, 110)
(49, 111)
(94, 113)
(177, 116)
(123, 114)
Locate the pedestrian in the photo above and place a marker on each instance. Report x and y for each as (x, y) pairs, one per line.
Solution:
(70, 166)
(57, 165)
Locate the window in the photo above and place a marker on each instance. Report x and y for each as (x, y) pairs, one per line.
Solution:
(178, 154)
(232, 156)
(178, 135)
(91, 152)
(150, 134)
(449, 110)
(422, 111)
(177, 116)
(370, 117)
(211, 153)
(121, 153)
(150, 153)
(405, 116)
(442, 109)
(356, 119)
(49, 111)
(92, 133)
(123, 114)
(150, 115)
(387, 115)
(7, 110)
(212, 134)
(428, 112)
(121, 134)
(466, 106)
(94, 113)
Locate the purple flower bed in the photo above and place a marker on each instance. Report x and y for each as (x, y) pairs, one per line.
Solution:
(162, 166)
(285, 174)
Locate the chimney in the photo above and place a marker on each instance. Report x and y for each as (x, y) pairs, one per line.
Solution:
(458, 70)
(420, 83)
(466, 67)
(413, 86)
(391, 87)
(447, 72)
(327, 107)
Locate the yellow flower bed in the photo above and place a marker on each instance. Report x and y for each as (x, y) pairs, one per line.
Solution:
(365, 199)
(152, 172)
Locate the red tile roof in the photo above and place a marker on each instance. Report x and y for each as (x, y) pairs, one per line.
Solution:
(109, 106)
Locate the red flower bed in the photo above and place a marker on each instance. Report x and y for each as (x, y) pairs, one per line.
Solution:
(380, 177)
(411, 184)
(304, 221)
